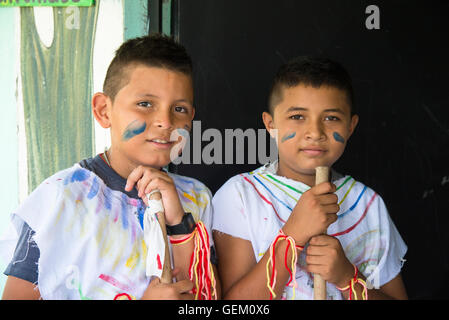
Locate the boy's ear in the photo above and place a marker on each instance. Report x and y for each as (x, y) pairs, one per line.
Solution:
(193, 113)
(269, 123)
(101, 104)
(353, 125)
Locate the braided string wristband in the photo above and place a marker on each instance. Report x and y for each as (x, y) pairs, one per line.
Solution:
(351, 284)
(271, 263)
(200, 267)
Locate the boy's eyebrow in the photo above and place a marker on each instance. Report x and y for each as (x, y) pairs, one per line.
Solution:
(334, 110)
(296, 108)
(147, 95)
(144, 95)
(183, 100)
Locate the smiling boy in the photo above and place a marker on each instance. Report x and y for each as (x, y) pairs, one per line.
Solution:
(274, 228)
(80, 234)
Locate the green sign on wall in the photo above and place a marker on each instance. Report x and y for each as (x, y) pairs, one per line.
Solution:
(46, 3)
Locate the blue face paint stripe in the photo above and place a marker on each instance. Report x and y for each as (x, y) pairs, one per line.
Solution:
(288, 136)
(133, 129)
(338, 137)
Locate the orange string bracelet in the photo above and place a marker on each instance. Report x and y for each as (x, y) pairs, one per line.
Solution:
(271, 263)
(351, 284)
(200, 268)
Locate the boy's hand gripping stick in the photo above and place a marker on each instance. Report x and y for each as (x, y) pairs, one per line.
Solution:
(319, 285)
(155, 234)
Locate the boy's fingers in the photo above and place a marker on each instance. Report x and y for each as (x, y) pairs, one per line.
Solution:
(319, 240)
(183, 286)
(143, 182)
(323, 188)
(320, 244)
(134, 177)
(332, 217)
(331, 209)
(156, 183)
(315, 260)
(314, 251)
(156, 281)
(141, 171)
(153, 173)
(328, 198)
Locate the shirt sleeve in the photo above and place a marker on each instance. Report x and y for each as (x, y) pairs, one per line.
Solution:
(392, 260)
(395, 255)
(24, 264)
(229, 211)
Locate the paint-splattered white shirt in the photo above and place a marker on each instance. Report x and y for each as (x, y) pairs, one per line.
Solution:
(255, 205)
(90, 237)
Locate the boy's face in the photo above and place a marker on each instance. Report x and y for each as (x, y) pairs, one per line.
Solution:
(314, 125)
(145, 112)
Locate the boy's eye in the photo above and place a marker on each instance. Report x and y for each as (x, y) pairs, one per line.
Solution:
(297, 117)
(331, 118)
(180, 109)
(144, 104)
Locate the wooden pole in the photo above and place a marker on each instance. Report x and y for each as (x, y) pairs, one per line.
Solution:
(319, 285)
(166, 276)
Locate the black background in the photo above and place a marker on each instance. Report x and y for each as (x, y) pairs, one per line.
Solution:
(400, 76)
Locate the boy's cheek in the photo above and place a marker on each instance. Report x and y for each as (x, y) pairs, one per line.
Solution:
(337, 151)
(288, 136)
(133, 129)
(338, 137)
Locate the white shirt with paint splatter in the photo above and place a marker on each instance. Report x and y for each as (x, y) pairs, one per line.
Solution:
(90, 240)
(255, 205)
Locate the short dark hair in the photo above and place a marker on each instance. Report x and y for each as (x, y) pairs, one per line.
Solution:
(155, 50)
(310, 71)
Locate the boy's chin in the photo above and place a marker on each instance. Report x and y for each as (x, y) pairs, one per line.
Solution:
(154, 163)
(309, 167)
(307, 170)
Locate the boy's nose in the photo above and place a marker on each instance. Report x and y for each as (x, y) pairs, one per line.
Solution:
(163, 120)
(315, 131)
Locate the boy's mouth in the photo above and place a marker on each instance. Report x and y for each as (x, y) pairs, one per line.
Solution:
(313, 151)
(161, 143)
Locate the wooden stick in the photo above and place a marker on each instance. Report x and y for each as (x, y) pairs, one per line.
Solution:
(166, 276)
(319, 285)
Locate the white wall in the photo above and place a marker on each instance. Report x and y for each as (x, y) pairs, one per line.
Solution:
(9, 58)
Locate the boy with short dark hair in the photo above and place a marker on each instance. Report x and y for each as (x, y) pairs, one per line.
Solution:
(274, 228)
(80, 233)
